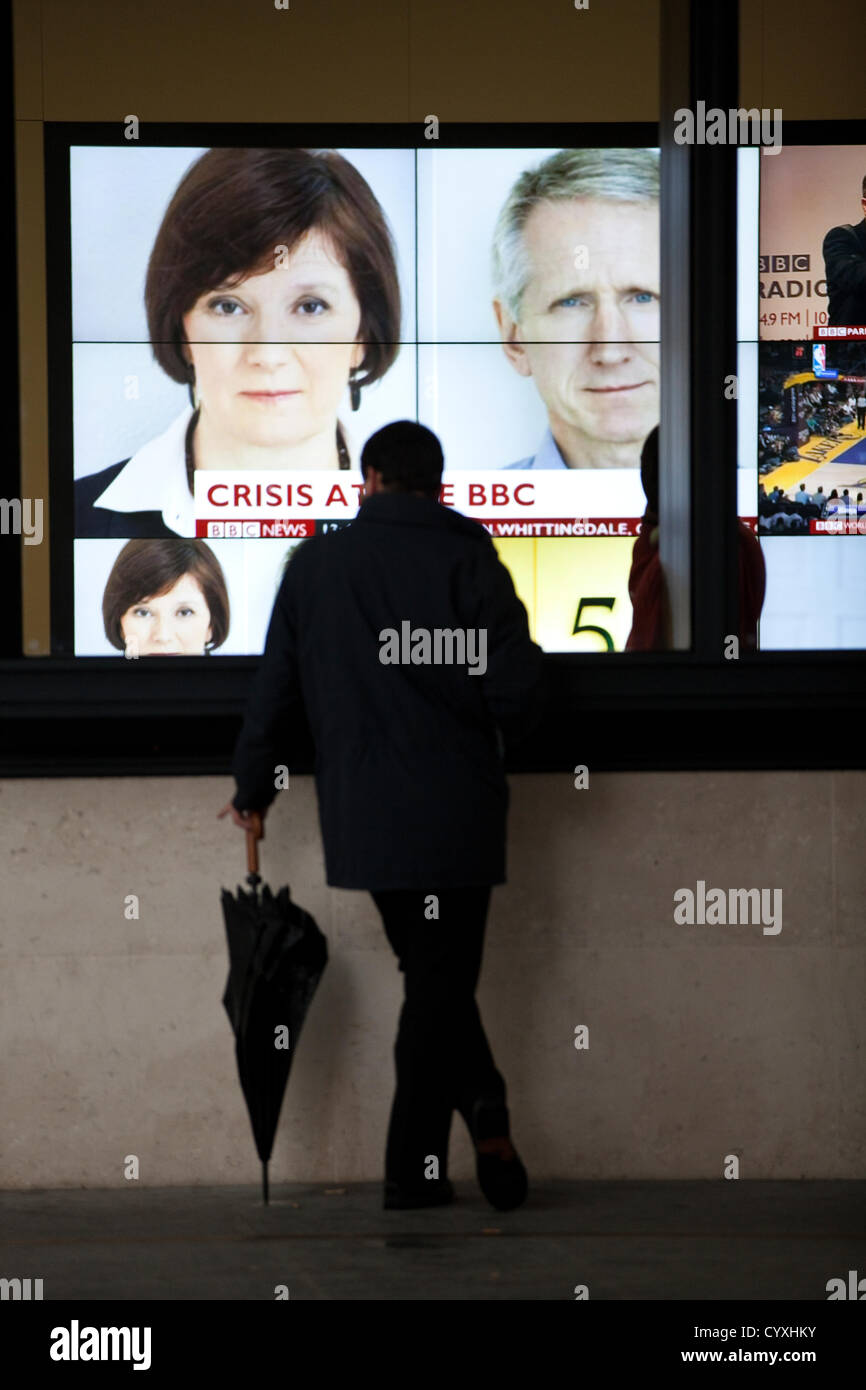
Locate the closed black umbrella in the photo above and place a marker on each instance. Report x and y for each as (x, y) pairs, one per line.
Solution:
(276, 958)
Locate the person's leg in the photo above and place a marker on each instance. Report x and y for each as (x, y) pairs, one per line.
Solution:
(420, 1121)
(443, 1058)
(477, 1088)
(470, 1066)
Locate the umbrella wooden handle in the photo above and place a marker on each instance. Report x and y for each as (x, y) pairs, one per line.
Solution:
(254, 834)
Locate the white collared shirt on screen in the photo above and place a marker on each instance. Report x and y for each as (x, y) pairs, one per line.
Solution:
(154, 479)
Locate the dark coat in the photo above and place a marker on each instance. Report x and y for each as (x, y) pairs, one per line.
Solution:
(646, 587)
(409, 772)
(92, 521)
(845, 269)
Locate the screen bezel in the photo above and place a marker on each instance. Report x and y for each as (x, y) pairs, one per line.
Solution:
(77, 715)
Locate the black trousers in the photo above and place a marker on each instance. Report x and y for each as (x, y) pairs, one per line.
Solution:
(443, 1059)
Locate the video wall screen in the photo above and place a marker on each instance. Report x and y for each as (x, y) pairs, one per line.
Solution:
(243, 319)
(802, 332)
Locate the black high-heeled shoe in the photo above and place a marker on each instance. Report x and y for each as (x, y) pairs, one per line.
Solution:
(501, 1175)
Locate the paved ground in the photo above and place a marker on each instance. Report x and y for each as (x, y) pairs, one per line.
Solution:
(624, 1240)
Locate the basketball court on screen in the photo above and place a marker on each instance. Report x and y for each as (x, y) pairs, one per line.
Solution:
(828, 463)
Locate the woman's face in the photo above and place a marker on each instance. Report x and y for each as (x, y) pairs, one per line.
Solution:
(272, 356)
(176, 623)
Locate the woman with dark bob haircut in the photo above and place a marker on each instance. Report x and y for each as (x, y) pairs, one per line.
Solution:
(271, 287)
(166, 598)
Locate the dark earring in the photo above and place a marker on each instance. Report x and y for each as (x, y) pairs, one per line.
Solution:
(354, 392)
(191, 387)
(342, 451)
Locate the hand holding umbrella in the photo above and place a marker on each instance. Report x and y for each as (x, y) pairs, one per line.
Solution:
(246, 820)
(276, 958)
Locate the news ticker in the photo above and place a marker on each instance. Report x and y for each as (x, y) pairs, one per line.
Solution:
(288, 529)
(538, 528)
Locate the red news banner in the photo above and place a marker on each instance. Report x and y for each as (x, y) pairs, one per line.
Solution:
(553, 502)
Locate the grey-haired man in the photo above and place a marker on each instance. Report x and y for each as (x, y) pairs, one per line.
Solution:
(576, 298)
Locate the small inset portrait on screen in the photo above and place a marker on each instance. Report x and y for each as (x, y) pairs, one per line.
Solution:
(844, 252)
(812, 261)
(576, 298)
(271, 290)
(166, 598)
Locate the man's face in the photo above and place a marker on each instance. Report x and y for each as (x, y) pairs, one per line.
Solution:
(589, 321)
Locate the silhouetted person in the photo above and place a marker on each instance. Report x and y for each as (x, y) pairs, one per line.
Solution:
(651, 621)
(409, 773)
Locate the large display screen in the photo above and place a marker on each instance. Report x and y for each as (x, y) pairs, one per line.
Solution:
(243, 319)
(802, 317)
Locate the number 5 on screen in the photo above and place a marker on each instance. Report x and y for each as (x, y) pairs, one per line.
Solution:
(588, 627)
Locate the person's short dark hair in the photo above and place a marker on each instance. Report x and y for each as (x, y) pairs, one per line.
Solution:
(802, 487)
(408, 456)
(859, 497)
(146, 569)
(863, 188)
(230, 212)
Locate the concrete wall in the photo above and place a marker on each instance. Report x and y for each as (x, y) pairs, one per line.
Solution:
(703, 1040)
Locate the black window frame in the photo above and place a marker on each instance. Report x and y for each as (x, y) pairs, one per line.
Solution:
(675, 710)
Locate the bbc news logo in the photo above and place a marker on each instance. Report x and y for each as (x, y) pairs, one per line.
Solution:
(841, 527)
(784, 265)
(274, 528)
(791, 264)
